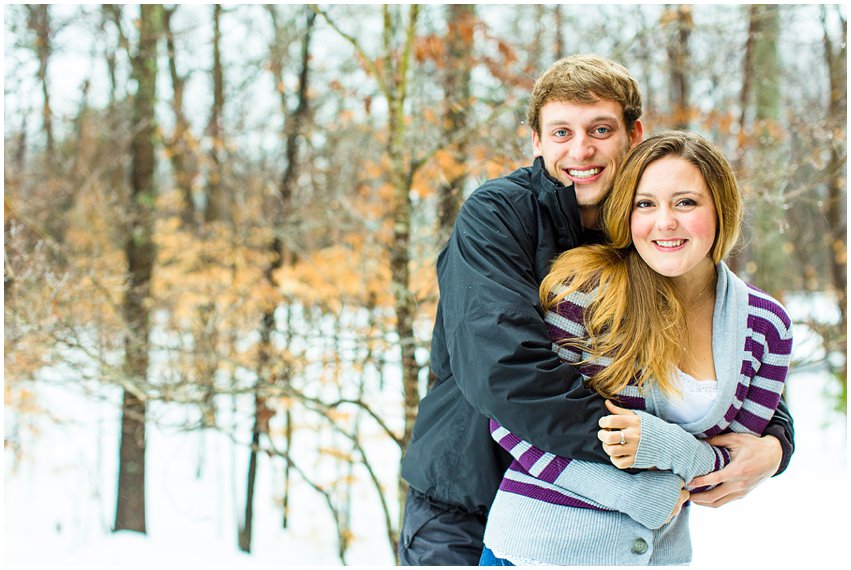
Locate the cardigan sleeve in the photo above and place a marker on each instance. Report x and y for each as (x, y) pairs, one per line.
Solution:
(667, 446)
(648, 497)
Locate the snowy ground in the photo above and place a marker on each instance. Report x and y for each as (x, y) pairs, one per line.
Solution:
(59, 501)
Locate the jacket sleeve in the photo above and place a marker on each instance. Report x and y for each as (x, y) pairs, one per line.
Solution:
(648, 497)
(500, 351)
(782, 427)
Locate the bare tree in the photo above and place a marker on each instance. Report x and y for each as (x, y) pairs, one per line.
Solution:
(39, 22)
(281, 255)
(140, 254)
(461, 20)
(180, 143)
(679, 19)
(836, 53)
(217, 199)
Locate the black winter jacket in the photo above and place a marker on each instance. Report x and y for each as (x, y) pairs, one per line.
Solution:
(491, 353)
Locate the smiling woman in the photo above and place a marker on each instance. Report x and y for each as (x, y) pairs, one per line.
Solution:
(673, 220)
(712, 359)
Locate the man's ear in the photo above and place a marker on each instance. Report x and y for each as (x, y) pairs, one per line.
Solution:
(636, 135)
(536, 145)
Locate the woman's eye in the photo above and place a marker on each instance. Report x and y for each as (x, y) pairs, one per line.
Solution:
(643, 204)
(687, 202)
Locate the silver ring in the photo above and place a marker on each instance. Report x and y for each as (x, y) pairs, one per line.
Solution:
(622, 441)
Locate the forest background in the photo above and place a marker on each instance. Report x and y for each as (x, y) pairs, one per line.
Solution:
(234, 211)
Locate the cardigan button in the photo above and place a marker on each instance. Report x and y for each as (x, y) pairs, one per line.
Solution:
(639, 546)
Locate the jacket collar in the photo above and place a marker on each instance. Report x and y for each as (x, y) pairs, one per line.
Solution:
(560, 200)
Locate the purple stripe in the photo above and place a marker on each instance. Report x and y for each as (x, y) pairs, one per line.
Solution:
(558, 334)
(752, 422)
(714, 430)
(772, 335)
(731, 413)
(773, 372)
(764, 397)
(555, 468)
(571, 311)
(741, 391)
(754, 347)
(631, 402)
(545, 495)
(769, 305)
(530, 456)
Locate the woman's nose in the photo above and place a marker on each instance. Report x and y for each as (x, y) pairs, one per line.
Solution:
(666, 220)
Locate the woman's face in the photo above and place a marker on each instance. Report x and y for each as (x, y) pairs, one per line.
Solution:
(673, 218)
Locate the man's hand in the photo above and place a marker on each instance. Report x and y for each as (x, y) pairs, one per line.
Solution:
(754, 459)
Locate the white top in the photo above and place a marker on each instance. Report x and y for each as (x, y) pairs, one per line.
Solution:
(695, 399)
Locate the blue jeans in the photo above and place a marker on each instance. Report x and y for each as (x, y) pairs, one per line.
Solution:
(488, 559)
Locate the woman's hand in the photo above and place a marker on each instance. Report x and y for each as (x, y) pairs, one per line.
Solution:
(622, 426)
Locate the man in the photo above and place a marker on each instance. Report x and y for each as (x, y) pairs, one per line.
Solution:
(491, 353)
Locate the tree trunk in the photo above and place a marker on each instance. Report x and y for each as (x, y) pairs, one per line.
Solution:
(836, 203)
(140, 254)
(766, 65)
(680, 18)
(39, 22)
(456, 89)
(559, 48)
(293, 129)
(217, 208)
(180, 153)
(400, 253)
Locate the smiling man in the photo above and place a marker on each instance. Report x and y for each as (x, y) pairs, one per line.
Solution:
(491, 354)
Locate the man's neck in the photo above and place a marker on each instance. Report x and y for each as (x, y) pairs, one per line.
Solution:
(590, 219)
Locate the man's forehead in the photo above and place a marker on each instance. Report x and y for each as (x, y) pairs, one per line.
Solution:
(560, 112)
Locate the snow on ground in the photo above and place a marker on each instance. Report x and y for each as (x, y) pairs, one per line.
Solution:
(59, 500)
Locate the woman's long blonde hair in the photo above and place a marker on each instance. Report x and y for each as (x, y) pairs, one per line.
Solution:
(637, 319)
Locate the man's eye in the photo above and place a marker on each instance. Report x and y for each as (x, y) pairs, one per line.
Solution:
(560, 133)
(602, 130)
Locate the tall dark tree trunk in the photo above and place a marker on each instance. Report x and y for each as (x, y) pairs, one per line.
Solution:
(282, 255)
(39, 22)
(140, 254)
(218, 207)
(680, 19)
(400, 250)
(559, 49)
(456, 88)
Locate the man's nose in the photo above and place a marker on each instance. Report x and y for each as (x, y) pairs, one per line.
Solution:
(581, 147)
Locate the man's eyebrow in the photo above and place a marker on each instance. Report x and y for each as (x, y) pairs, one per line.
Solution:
(598, 119)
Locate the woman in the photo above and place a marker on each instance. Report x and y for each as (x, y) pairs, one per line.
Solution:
(658, 323)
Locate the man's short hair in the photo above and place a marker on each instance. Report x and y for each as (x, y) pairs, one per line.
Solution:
(585, 79)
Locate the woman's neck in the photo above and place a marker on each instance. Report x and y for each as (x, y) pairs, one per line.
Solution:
(698, 286)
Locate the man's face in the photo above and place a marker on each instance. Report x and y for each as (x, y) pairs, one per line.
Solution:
(584, 144)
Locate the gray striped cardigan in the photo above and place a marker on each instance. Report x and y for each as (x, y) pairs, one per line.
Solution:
(562, 511)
